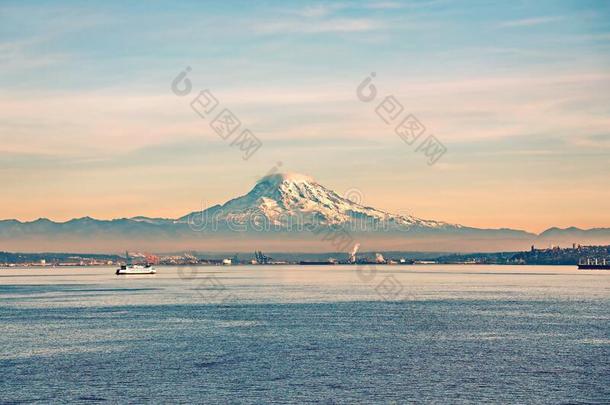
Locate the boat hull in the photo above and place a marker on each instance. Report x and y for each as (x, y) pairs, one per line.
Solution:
(122, 273)
(135, 271)
(594, 267)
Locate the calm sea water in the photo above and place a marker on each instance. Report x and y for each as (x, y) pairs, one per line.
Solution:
(336, 334)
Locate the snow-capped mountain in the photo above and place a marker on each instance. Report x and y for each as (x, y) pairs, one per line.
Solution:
(282, 212)
(284, 200)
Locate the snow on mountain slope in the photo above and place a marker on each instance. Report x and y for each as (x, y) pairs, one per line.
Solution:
(287, 199)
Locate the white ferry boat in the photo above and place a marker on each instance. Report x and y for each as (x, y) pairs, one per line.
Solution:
(129, 268)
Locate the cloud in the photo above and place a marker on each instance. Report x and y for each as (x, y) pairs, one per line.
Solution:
(599, 141)
(324, 10)
(322, 26)
(26, 54)
(383, 5)
(472, 108)
(528, 22)
(320, 10)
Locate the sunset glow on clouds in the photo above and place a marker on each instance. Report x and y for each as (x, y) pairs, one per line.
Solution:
(519, 94)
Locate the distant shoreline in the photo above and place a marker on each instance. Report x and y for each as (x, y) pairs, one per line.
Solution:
(50, 267)
(549, 257)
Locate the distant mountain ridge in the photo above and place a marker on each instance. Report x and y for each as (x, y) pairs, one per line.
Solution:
(567, 236)
(282, 212)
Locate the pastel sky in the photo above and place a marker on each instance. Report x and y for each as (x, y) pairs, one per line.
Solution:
(518, 92)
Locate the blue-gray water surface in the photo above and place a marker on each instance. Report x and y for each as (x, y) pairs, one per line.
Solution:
(295, 334)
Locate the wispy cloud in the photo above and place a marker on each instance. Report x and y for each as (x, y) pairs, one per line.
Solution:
(323, 26)
(320, 10)
(324, 10)
(600, 141)
(528, 22)
(383, 5)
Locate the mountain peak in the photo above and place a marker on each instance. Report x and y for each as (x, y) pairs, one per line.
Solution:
(277, 178)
